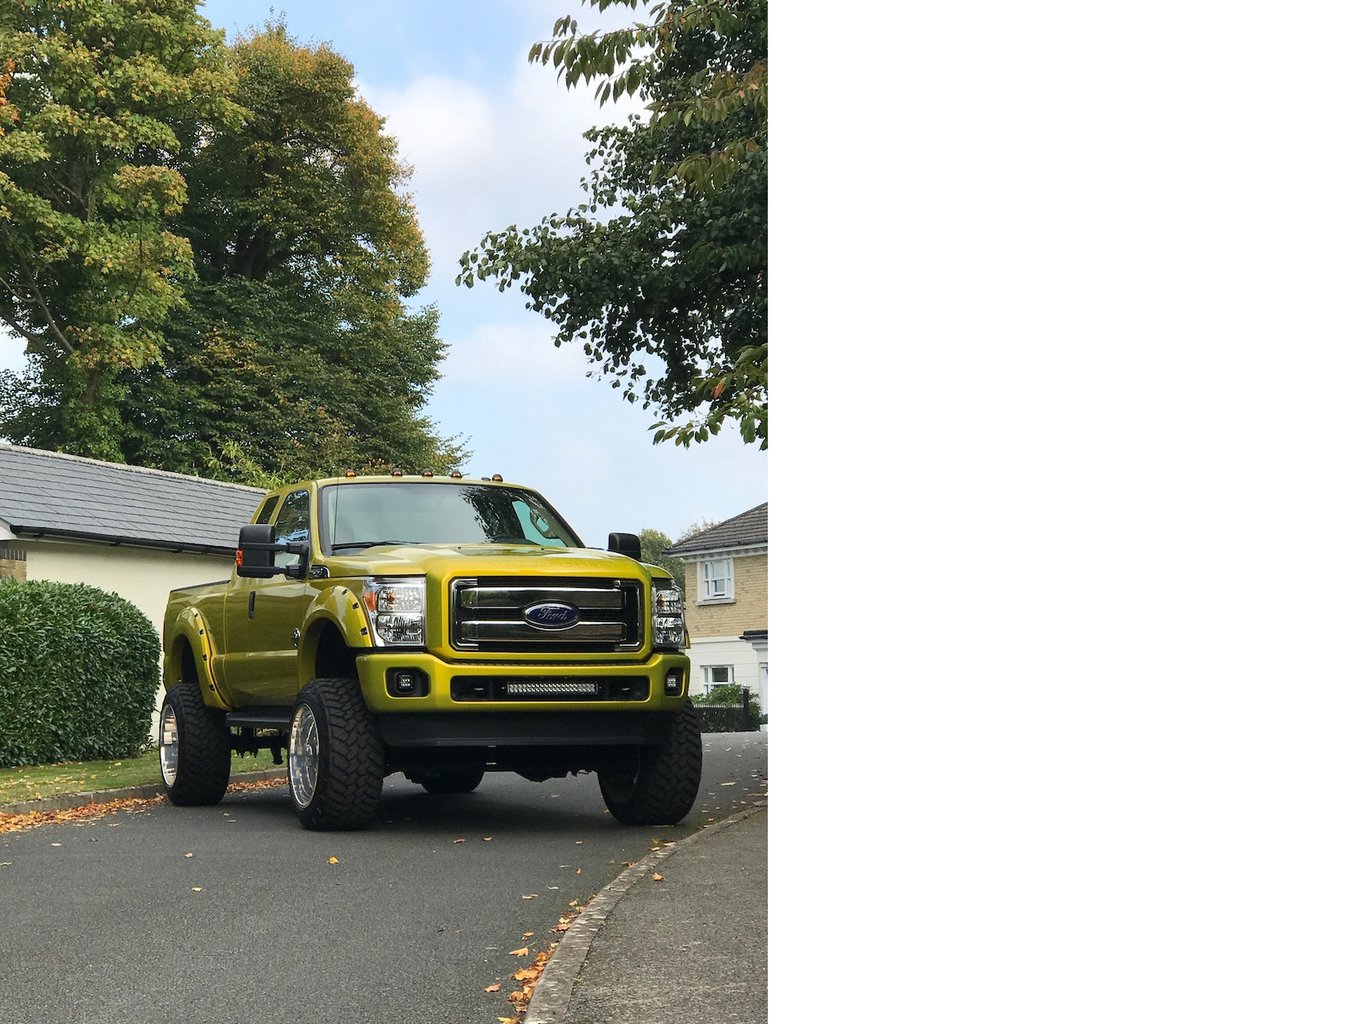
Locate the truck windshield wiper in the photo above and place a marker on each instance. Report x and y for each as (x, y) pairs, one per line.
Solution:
(360, 544)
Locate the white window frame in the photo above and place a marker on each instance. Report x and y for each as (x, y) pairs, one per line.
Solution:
(709, 679)
(717, 580)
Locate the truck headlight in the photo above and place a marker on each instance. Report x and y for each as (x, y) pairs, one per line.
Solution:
(669, 627)
(397, 610)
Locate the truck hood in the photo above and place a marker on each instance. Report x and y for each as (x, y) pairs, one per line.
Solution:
(446, 560)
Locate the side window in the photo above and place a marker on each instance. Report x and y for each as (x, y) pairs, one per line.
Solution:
(267, 510)
(291, 525)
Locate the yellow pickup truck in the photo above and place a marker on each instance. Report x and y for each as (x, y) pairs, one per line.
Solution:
(437, 626)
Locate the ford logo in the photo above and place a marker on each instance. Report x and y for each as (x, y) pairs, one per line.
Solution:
(551, 615)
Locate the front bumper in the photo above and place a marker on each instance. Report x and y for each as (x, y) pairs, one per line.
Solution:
(445, 679)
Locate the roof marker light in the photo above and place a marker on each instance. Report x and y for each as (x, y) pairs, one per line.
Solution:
(456, 475)
(396, 472)
(426, 472)
(350, 474)
(497, 478)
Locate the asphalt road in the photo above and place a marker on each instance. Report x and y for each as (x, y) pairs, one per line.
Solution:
(235, 912)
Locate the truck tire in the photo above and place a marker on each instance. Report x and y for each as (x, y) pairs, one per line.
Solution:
(659, 786)
(336, 758)
(194, 746)
(448, 780)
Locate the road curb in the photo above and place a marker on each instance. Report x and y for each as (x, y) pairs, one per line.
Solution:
(67, 801)
(550, 1002)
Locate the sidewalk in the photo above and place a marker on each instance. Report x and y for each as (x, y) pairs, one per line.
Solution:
(692, 947)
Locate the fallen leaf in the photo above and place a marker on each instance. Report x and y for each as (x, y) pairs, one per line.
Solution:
(728, 783)
(579, 871)
(532, 896)
(578, 842)
(56, 844)
(459, 840)
(333, 860)
(197, 888)
(495, 987)
(487, 839)
(527, 935)
(525, 974)
(189, 855)
(523, 951)
(507, 1020)
(658, 877)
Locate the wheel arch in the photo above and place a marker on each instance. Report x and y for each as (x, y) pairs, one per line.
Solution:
(189, 657)
(333, 630)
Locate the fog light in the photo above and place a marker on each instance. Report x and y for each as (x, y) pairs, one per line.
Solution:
(407, 682)
(673, 682)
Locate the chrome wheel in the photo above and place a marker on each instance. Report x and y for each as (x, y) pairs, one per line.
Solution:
(169, 746)
(303, 755)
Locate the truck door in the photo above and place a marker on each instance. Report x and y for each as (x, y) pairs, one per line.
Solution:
(263, 616)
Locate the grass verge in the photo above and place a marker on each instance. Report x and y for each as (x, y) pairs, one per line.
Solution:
(33, 781)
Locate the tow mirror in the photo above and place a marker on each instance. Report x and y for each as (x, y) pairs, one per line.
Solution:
(627, 544)
(256, 550)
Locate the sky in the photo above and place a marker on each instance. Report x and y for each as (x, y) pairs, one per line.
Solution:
(493, 141)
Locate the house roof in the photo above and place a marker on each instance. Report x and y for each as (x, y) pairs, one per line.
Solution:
(56, 495)
(744, 530)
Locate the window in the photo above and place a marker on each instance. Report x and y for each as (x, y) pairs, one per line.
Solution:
(266, 510)
(718, 580)
(291, 525)
(718, 675)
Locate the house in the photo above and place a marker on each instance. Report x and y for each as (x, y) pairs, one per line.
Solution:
(137, 532)
(726, 568)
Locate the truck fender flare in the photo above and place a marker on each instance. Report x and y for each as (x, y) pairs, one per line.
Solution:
(341, 608)
(191, 627)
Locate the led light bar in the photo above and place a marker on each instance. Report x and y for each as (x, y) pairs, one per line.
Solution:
(577, 688)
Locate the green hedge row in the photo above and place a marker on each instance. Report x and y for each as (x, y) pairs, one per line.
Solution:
(729, 697)
(79, 669)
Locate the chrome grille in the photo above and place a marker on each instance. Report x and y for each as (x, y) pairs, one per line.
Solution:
(586, 615)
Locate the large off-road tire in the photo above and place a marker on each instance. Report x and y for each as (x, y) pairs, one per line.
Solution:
(195, 749)
(658, 785)
(444, 781)
(336, 758)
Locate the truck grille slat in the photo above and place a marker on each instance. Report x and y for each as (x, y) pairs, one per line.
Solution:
(546, 615)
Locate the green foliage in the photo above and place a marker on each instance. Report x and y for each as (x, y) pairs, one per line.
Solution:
(668, 293)
(293, 353)
(97, 100)
(730, 695)
(653, 544)
(79, 669)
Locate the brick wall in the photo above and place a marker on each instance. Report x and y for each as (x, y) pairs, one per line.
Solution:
(749, 609)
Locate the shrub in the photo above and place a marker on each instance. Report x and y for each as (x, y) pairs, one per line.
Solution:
(730, 695)
(79, 669)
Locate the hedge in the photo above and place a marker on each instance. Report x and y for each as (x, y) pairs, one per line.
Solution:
(79, 669)
(722, 710)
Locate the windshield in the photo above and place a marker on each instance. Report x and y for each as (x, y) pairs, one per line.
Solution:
(352, 517)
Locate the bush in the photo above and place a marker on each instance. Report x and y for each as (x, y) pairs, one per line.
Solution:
(730, 695)
(79, 669)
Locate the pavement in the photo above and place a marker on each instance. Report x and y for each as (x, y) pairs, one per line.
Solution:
(686, 947)
(679, 937)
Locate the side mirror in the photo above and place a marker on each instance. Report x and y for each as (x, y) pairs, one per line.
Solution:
(627, 544)
(256, 549)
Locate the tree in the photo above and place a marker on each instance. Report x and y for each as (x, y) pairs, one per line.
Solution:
(668, 293)
(653, 544)
(299, 346)
(97, 98)
(294, 354)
